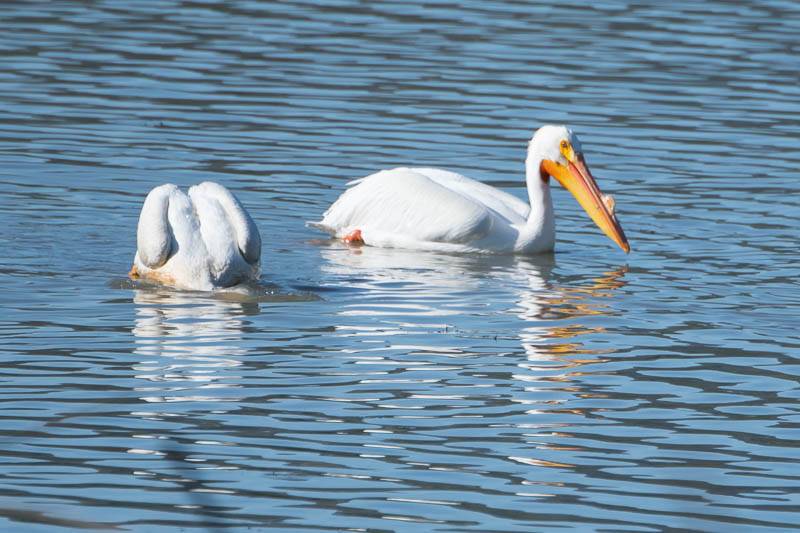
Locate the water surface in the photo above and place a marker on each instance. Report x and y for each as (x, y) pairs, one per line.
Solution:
(384, 390)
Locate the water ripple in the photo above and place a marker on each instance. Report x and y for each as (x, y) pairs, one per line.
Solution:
(380, 389)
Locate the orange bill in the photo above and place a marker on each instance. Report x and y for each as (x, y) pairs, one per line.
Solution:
(577, 179)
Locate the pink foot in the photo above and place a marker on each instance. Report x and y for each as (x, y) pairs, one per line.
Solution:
(353, 238)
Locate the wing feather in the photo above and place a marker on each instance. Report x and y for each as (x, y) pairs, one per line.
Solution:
(215, 202)
(506, 205)
(406, 203)
(155, 242)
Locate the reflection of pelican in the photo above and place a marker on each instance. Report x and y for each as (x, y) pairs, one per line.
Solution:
(543, 305)
(184, 338)
(442, 273)
(200, 241)
(405, 283)
(432, 209)
(555, 361)
(404, 287)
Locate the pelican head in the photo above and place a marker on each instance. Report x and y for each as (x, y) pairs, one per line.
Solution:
(557, 152)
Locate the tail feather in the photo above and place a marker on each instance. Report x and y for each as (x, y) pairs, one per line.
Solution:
(322, 226)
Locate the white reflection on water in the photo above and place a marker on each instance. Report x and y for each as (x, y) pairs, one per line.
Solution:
(520, 342)
(403, 286)
(188, 343)
(550, 377)
(408, 294)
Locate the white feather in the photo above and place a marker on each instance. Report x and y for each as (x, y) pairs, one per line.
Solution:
(433, 209)
(201, 241)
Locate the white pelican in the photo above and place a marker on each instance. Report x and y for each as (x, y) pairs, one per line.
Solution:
(432, 209)
(199, 241)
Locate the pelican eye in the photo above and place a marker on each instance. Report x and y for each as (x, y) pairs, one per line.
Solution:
(566, 149)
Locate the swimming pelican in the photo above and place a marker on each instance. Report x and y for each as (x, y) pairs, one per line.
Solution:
(432, 209)
(199, 241)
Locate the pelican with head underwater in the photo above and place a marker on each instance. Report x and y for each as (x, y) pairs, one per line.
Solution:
(433, 209)
(203, 240)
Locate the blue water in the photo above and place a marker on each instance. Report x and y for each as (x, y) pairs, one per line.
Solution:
(386, 390)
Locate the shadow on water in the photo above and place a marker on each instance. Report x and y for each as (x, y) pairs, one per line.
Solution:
(56, 518)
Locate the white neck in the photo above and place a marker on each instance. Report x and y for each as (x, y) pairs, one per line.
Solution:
(540, 231)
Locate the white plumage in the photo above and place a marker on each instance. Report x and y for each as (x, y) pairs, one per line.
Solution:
(201, 241)
(432, 209)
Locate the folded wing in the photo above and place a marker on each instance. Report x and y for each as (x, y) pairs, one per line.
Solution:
(422, 205)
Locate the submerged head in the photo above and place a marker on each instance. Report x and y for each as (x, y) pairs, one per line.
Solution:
(559, 154)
